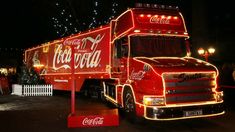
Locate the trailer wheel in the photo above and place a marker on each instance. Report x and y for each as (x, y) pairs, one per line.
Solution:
(129, 105)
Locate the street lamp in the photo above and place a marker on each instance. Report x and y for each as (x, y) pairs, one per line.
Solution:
(206, 53)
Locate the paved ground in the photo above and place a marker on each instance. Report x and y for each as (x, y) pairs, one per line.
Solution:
(49, 114)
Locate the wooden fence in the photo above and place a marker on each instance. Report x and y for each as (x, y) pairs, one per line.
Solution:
(32, 90)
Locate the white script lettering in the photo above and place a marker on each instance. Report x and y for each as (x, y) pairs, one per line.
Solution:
(86, 55)
(93, 121)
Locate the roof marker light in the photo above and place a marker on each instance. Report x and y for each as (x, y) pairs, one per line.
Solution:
(175, 17)
(169, 17)
(141, 15)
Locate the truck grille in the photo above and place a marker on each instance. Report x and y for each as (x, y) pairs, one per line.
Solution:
(189, 87)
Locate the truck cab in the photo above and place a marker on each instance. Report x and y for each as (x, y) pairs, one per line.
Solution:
(154, 74)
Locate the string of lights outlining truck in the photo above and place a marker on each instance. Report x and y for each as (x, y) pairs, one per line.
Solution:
(140, 62)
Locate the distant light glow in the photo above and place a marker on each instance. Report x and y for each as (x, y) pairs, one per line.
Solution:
(201, 51)
(211, 50)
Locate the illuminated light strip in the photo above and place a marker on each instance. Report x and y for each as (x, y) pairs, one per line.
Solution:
(161, 75)
(157, 34)
(108, 97)
(58, 80)
(185, 35)
(109, 72)
(130, 86)
(68, 73)
(167, 106)
(128, 59)
(187, 104)
(162, 16)
(145, 63)
(132, 18)
(164, 84)
(183, 21)
(128, 64)
(170, 72)
(110, 49)
(217, 71)
(47, 44)
(111, 43)
(65, 38)
(186, 117)
(176, 58)
(90, 32)
(133, 24)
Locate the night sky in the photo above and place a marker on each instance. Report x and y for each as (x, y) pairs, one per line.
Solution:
(29, 23)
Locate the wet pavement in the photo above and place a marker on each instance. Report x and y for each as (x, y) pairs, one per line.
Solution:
(49, 114)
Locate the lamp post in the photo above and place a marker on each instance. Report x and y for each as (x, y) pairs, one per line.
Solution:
(206, 53)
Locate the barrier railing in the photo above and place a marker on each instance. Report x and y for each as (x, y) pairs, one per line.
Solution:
(32, 90)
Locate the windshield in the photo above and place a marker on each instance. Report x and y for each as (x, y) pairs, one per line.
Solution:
(157, 46)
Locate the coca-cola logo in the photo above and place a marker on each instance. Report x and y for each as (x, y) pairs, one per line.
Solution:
(159, 20)
(137, 75)
(93, 121)
(87, 55)
(72, 42)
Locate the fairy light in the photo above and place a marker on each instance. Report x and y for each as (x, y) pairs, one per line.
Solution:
(64, 22)
(114, 9)
(93, 23)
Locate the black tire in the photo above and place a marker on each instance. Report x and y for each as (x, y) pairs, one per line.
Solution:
(129, 107)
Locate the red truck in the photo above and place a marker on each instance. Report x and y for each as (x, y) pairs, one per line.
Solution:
(140, 62)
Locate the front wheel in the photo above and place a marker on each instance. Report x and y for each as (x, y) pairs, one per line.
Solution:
(129, 106)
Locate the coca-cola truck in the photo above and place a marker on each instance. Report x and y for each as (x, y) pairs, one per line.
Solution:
(140, 62)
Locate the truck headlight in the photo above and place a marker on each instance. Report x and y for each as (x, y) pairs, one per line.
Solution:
(219, 96)
(154, 101)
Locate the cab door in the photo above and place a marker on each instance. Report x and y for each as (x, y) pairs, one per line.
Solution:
(119, 59)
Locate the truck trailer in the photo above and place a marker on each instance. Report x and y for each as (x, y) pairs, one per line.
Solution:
(140, 61)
